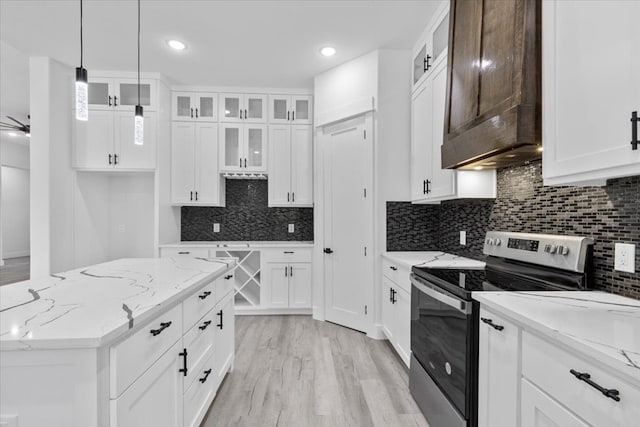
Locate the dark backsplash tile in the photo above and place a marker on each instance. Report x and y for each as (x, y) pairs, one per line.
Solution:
(246, 217)
(412, 227)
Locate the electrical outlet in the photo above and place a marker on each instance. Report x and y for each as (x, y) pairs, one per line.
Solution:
(291, 228)
(625, 257)
(463, 238)
(216, 227)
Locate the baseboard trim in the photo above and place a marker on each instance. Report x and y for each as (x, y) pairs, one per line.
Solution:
(377, 333)
(241, 311)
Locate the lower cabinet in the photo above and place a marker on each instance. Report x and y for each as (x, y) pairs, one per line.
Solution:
(396, 308)
(224, 342)
(289, 285)
(540, 410)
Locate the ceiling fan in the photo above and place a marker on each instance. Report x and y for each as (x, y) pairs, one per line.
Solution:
(18, 126)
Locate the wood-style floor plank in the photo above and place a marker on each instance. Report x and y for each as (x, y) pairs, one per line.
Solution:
(299, 372)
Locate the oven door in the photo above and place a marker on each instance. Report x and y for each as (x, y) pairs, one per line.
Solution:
(442, 333)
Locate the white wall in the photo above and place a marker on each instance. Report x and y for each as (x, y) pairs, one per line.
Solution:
(15, 212)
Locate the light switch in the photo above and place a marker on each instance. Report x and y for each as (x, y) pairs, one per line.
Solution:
(463, 238)
(291, 228)
(216, 227)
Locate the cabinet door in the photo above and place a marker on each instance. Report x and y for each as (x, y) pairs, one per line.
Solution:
(402, 323)
(279, 109)
(301, 165)
(420, 63)
(131, 155)
(255, 108)
(231, 107)
(498, 372)
(230, 147)
(255, 148)
(206, 107)
(302, 110)
(100, 94)
(300, 285)
(278, 285)
(183, 155)
(224, 338)
(387, 309)
(93, 140)
(126, 91)
(154, 399)
(586, 115)
(206, 162)
(280, 165)
(182, 106)
(540, 410)
(421, 144)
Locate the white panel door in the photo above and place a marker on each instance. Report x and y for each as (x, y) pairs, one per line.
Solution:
(130, 155)
(93, 141)
(206, 164)
(540, 410)
(348, 223)
(301, 165)
(183, 154)
(280, 165)
(421, 134)
(277, 285)
(300, 285)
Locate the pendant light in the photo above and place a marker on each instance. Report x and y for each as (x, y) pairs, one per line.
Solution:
(139, 120)
(82, 89)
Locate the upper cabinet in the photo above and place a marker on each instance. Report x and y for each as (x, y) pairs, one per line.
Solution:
(290, 166)
(432, 47)
(122, 94)
(589, 102)
(238, 108)
(243, 148)
(492, 116)
(192, 106)
(291, 109)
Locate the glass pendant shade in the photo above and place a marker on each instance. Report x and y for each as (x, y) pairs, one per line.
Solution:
(139, 126)
(82, 94)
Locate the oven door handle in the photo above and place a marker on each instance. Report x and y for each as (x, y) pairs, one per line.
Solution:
(439, 295)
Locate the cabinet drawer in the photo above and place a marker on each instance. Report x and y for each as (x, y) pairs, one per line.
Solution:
(198, 304)
(396, 273)
(130, 358)
(548, 367)
(287, 255)
(199, 394)
(199, 342)
(191, 252)
(224, 284)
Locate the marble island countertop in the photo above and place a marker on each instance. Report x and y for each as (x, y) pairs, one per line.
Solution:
(602, 326)
(238, 244)
(433, 259)
(90, 307)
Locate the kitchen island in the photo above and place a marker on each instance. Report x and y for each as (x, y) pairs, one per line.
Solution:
(119, 343)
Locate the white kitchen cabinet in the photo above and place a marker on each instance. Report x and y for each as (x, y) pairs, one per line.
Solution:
(498, 371)
(431, 48)
(588, 104)
(194, 106)
(396, 307)
(291, 109)
(194, 165)
(239, 107)
(121, 94)
(429, 182)
(290, 165)
(540, 410)
(106, 142)
(243, 148)
(289, 285)
(224, 338)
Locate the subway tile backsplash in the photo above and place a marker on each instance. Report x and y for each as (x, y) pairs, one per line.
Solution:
(609, 214)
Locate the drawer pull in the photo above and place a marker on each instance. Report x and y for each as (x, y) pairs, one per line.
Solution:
(228, 277)
(184, 253)
(611, 393)
(393, 268)
(184, 369)
(289, 252)
(204, 294)
(163, 326)
(219, 325)
(206, 375)
(490, 323)
(204, 325)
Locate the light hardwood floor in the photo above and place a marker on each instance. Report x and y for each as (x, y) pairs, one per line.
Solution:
(296, 371)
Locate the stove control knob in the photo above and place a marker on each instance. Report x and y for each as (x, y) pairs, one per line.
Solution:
(564, 250)
(490, 241)
(547, 248)
(553, 249)
(498, 242)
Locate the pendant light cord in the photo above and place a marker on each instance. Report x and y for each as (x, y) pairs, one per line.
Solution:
(138, 52)
(81, 43)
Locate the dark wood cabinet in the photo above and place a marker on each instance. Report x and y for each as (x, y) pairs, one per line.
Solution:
(493, 106)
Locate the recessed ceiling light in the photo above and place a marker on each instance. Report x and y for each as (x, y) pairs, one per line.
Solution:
(328, 51)
(12, 134)
(478, 168)
(176, 44)
(540, 148)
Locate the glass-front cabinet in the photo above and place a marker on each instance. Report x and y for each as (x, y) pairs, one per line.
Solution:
(121, 94)
(243, 148)
(290, 109)
(190, 106)
(432, 47)
(238, 108)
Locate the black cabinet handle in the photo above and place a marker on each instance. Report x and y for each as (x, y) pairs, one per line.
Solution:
(228, 277)
(490, 323)
(285, 271)
(204, 294)
(115, 159)
(611, 393)
(191, 195)
(163, 326)
(288, 115)
(192, 113)
(245, 162)
(393, 296)
(196, 113)
(390, 295)
(240, 114)
(204, 325)
(241, 162)
(634, 130)
(393, 268)
(289, 252)
(220, 324)
(424, 186)
(245, 114)
(291, 271)
(288, 197)
(184, 253)
(196, 196)
(184, 368)
(427, 65)
(115, 101)
(206, 375)
(293, 116)
(428, 186)
(109, 100)
(293, 197)
(328, 251)
(109, 158)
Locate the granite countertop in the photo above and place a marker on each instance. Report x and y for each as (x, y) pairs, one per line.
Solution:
(238, 244)
(91, 307)
(602, 326)
(433, 259)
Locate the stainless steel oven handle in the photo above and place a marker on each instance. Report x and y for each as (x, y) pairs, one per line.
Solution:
(434, 293)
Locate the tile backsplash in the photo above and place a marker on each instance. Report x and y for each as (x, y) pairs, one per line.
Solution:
(246, 217)
(608, 214)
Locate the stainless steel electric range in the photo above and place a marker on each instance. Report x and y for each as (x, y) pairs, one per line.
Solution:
(444, 318)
